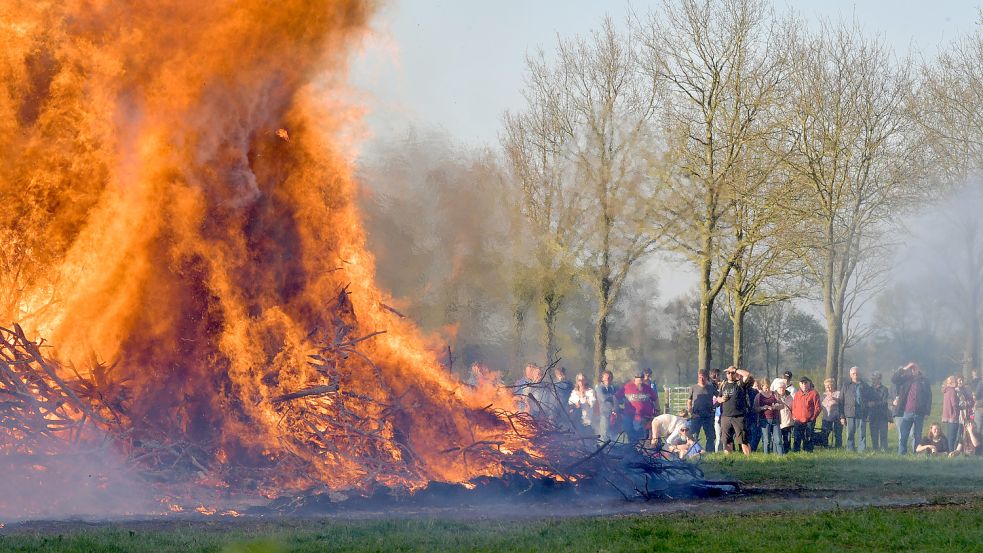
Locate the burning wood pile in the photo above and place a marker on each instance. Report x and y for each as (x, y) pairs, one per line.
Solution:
(44, 417)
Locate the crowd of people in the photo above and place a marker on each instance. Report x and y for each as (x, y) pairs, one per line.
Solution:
(729, 411)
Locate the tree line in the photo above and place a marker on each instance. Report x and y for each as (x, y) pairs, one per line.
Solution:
(783, 162)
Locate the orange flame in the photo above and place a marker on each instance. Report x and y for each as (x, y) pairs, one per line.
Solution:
(178, 201)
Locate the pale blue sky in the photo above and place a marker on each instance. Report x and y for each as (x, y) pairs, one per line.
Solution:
(459, 64)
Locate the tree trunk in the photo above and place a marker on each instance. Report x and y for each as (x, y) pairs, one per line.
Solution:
(972, 358)
(703, 329)
(601, 339)
(738, 320)
(520, 331)
(834, 334)
(551, 307)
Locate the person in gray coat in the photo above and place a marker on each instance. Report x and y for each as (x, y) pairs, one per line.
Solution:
(856, 395)
(607, 405)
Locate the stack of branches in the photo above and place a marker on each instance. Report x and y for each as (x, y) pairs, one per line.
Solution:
(40, 413)
(562, 451)
(335, 436)
(345, 438)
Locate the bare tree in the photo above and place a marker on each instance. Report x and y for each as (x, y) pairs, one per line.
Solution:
(596, 124)
(949, 106)
(716, 67)
(855, 154)
(766, 269)
(536, 145)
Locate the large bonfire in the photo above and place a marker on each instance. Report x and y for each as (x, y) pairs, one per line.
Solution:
(178, 224)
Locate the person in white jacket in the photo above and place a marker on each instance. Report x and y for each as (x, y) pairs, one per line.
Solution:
(786, 413)
(583, 400)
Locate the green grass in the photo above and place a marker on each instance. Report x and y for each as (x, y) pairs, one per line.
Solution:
(841, 470)
(954, 527)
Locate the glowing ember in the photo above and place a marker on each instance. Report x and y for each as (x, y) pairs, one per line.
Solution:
(199, 270)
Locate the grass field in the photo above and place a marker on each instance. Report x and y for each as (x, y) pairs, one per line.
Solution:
(907, 529)
(841, 470)
(949, 516)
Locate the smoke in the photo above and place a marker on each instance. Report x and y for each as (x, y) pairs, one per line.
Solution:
(79, 482)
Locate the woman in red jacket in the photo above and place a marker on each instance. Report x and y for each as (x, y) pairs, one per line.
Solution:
(806, 408)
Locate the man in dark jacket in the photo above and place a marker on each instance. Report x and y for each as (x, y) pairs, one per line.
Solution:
(701, 409)
(878, 412)
(914, 403)
(856, 394)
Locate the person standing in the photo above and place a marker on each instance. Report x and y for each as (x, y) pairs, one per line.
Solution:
(641, 406)
(950, 411)
(563, 386)
(978, 401)
(701, 409)
(965, 400)
(769, 407)
(717, 382)
(583, 401)
(751, 426)
(855, 395)
(832, 406)
(785, 414)
(806, 408)
(914, 403)
(878, 412)
(733, 400)
(604, 396)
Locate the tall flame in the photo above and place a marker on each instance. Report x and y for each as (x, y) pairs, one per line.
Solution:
(178, 200)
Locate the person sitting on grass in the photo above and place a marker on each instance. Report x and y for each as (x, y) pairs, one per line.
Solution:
(666, 424)
(680, 443)
(805, 410)
(935, 443)
(970, 443)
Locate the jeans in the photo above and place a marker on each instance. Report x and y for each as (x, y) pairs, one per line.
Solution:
(952, 432)
(717, 445)
(853, 426)
(878, 435)
(771, 438)
(834, 432)
(753, 432)
(803, 435)
(909, 423)
(706, 424)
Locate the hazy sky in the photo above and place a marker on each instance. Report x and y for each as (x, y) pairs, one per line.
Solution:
(459, 65)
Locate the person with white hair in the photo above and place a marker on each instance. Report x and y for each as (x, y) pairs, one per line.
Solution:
(785, 379)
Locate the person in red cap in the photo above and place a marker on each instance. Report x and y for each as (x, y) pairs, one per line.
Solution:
(641, 406)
